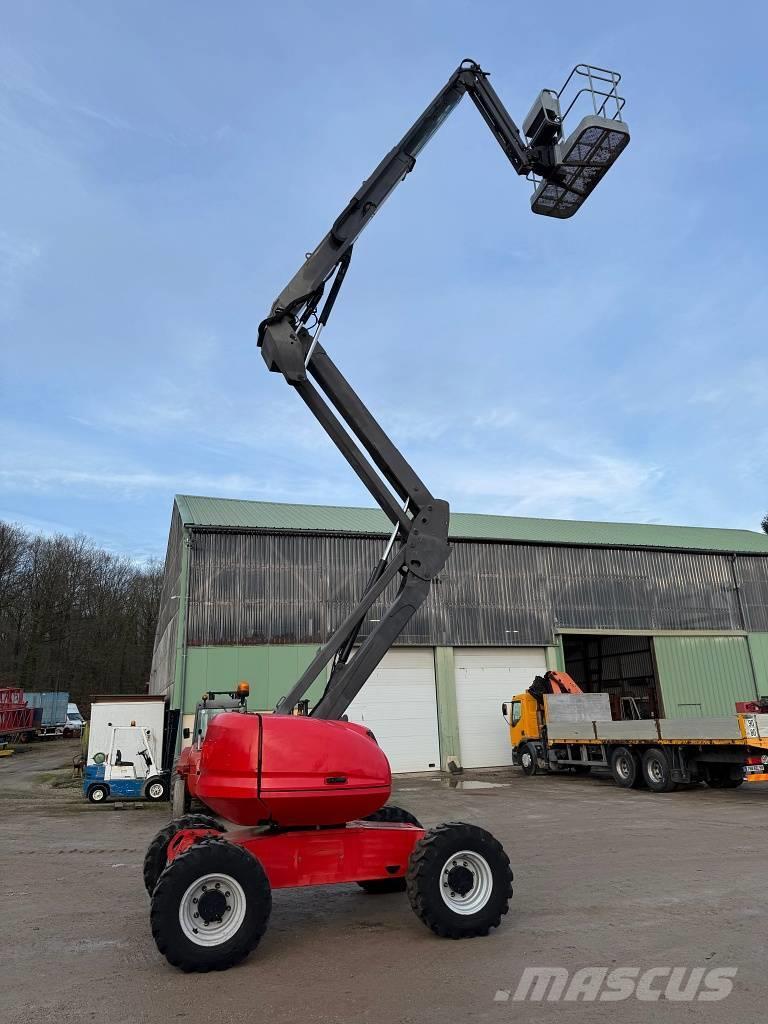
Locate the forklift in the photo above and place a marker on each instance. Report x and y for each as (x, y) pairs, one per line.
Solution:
(309, 791)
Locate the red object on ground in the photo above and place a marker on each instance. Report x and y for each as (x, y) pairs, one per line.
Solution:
(360, 852)
(291, 770)
(15, 716)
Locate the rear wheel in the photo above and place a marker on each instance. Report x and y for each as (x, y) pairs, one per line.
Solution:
(210, 907)
(180, 799)
(719, 777)
(380, 886)
(625, 768)
(657, 771)
(459, 881)
(156, 856)
(528, 758)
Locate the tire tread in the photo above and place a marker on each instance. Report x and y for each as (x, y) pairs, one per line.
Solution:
(427, 857)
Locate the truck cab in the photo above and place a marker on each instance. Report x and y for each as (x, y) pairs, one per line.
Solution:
(523, 716)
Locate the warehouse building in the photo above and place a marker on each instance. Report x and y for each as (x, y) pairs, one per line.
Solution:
(668, 620)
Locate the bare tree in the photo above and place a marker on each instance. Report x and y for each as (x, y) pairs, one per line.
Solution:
(74, 617)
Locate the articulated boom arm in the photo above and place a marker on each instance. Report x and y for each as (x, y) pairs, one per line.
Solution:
(418, 547)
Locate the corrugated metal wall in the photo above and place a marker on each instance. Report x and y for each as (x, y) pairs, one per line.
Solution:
(164, 656)
(703, 675)
(256, 588)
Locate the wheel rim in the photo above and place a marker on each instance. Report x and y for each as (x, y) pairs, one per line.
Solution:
(212, 909)
(623, 767)
(97, 795)
(525, 759)
(156, 790)
(466, 882)
(655, 772)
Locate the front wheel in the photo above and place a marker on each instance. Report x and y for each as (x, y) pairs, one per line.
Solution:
(156, 789)
(528, 758)
(459, 881)
(211, 907)
(98, 794)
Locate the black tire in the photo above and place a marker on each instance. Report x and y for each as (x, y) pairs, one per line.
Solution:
(528, 758)
(181, 802)
(98, 794)
(657, 771)
(381, 886)
(397, 815)
(156, 856)
(625, 768)
(482, 875)
(156, 789)
(719, 777)
(177, 911)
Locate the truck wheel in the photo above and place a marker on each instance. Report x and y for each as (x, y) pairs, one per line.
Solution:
(657, 771)
(459, 881)
(378, 886)
(528, 758)
(180, 799)
(156, 856)
(98, 794)
(720, 778)
(625, 768)
(156, 789)
(210, 907)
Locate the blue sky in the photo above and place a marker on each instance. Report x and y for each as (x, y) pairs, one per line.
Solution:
(165, 167)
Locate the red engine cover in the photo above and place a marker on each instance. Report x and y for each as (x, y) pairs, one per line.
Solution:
(291, 770)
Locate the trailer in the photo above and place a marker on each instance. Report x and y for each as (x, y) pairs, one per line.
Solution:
(17, 718)
(567, 732)
(130, 745)
(50, 709)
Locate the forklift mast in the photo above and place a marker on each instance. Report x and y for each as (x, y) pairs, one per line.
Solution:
(564, 175)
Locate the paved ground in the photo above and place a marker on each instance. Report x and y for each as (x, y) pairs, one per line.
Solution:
(603, 877)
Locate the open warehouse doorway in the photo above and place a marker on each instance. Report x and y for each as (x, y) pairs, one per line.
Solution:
(621, 666)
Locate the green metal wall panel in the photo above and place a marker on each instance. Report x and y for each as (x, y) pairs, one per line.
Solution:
(447, 711)
(555, 658)
(270, 671)
(758, 645)
(703, 675)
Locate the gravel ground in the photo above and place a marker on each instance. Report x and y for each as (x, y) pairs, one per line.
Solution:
(604, 878)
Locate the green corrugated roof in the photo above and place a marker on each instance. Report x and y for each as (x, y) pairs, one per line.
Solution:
(233, 513)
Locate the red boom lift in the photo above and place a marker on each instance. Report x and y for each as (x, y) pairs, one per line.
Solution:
(310, 791)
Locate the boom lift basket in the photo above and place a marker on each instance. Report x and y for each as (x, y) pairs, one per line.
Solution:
(590, 150)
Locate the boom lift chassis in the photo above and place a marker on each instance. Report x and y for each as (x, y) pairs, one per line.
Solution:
(302, 784)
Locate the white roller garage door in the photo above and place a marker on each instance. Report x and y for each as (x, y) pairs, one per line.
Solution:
(485, 678)
(399, 706)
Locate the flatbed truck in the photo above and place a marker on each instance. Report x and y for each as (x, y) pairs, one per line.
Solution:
(573, 732)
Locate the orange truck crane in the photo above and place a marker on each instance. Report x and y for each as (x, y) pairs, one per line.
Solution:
(555, 727)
